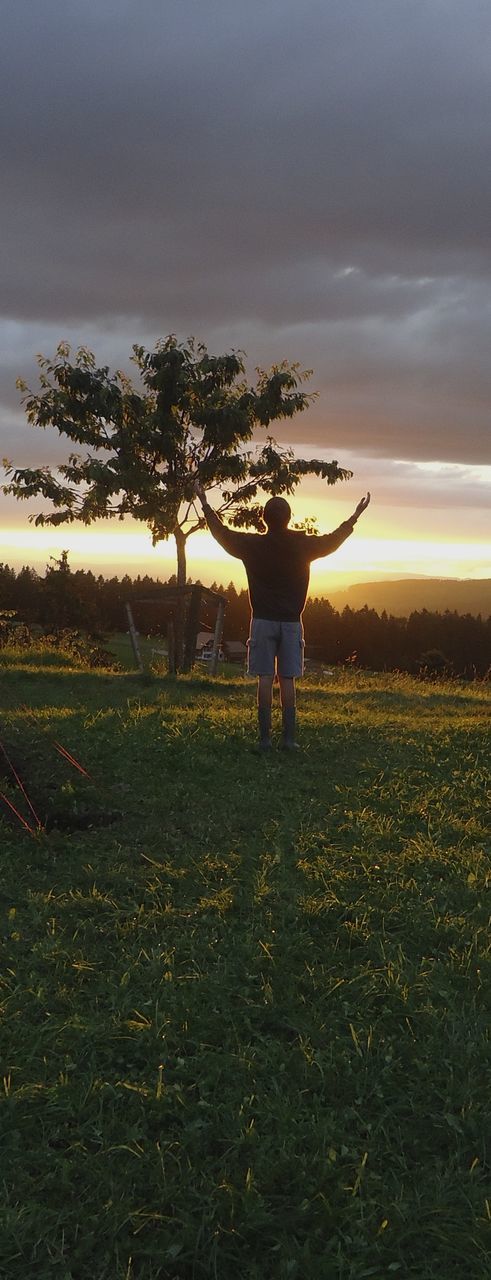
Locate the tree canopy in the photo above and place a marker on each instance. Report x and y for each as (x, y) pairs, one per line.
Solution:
(192, 418)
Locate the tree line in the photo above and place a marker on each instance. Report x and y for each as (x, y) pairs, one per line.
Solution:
(435, 642)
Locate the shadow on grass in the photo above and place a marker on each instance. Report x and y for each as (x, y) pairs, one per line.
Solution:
(386, 699)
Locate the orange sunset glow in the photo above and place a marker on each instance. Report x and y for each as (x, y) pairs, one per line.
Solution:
(383, 550)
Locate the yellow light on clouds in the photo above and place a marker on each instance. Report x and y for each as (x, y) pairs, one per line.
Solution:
(121, 550)
(419, 556)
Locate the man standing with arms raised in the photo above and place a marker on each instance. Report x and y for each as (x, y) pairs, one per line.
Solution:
(277, 565)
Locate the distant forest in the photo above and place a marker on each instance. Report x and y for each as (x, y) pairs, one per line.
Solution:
(434, 642)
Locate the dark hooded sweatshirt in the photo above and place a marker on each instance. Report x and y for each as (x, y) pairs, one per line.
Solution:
(277, 564)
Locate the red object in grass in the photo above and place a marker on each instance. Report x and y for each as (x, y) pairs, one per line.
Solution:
(71, 759)
(17, 814)
(21, 786)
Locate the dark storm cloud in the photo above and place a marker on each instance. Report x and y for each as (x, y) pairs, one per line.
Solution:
(303, 181)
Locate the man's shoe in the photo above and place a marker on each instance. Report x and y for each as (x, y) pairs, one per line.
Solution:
(262, 747)
(264, 727)
(289, 724)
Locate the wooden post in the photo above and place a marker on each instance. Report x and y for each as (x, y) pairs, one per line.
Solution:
(171, 646)
(192, 627)
(134, 637)
(217, 638)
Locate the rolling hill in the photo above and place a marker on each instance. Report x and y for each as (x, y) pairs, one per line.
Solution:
(402, 596)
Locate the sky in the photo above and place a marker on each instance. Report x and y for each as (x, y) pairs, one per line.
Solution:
(305, 182)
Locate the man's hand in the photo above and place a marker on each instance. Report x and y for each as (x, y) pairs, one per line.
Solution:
(362, 506)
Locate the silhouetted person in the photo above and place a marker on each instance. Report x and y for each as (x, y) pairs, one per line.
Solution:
(277, 565)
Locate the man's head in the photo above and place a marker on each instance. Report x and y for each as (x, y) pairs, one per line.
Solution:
(276, 514)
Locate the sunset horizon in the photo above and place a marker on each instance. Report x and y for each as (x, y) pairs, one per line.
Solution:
(388, 543)
(119, 554)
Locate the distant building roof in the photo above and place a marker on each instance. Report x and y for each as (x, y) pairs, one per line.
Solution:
(235, 646)
(203, 638)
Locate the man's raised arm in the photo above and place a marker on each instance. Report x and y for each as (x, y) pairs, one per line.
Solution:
(229, 539)
(325, 543)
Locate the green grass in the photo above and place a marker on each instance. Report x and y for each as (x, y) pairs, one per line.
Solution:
(119, 644)
(245, 1028)
(153, 650)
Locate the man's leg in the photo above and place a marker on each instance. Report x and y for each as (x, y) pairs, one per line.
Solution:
(288, 711)
(262, 645)
(264, 700)
(290, 665)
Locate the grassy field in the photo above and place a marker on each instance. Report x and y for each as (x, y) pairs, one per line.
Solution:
(245, 1007)
(119, 644)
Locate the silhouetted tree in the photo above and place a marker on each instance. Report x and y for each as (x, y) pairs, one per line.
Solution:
(192, 419)
(60, 605)
(27, 594)
(7, 586)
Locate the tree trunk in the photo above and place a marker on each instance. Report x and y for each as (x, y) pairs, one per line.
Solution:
(180, 610)
(180, 538)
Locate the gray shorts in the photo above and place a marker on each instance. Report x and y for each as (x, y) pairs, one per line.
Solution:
(275, 646)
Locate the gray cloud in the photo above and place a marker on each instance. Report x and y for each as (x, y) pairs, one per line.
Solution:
(302, 181)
